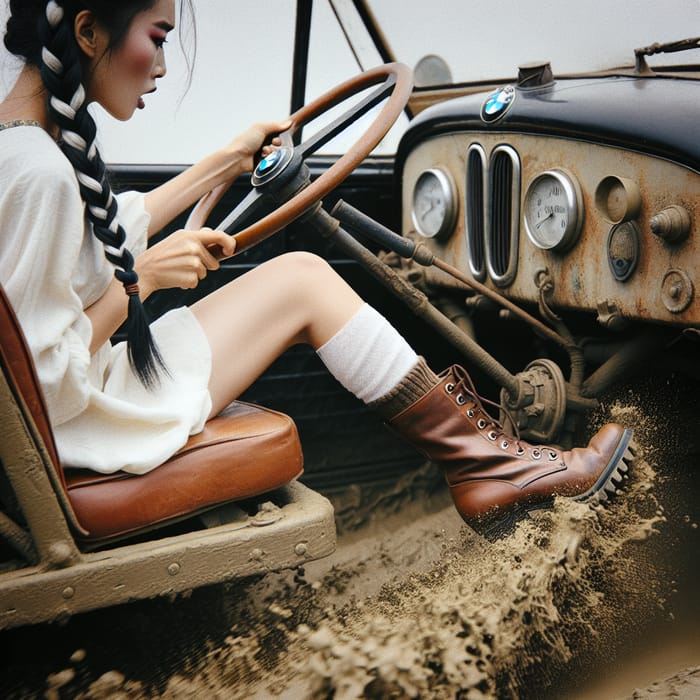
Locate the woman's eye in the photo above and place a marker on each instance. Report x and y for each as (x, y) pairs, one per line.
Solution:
(160, 41)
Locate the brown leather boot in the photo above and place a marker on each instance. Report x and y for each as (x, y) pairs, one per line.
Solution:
(494, 477)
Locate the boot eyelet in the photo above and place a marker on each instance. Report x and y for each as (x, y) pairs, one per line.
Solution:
(520, 452)
(449, 387)
(505, 444)
(492, 435)
(481, 424)
(470, 413)
(460, 399)
(553, 456)
(536, 453)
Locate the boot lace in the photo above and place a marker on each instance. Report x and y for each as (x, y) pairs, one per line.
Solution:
(467, 396)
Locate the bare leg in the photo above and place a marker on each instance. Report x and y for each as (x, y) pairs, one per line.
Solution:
(295, 298)
(493, 477)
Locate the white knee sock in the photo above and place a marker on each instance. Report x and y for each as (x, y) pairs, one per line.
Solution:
(368, 356)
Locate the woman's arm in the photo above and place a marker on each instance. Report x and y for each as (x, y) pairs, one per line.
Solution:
(169, 200)
(181, 260)
(107, 314)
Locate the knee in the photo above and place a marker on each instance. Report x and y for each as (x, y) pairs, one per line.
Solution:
(304, 263)
(305, 278)
(306, 270)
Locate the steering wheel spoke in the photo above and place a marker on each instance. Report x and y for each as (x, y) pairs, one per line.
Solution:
(250, 208)
(341, 123)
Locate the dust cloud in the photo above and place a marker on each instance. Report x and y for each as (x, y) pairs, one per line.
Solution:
(414, 604)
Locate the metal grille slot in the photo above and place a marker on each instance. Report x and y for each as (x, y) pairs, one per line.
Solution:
(503, 215)
(474, 210)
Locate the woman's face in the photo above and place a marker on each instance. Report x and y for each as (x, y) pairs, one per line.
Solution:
(120, 77)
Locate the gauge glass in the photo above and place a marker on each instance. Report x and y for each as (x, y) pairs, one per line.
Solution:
(553, 210)
(434, 203)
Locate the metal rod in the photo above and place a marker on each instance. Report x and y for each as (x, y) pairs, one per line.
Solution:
(419, 304)
(301, 58)
(406, 248)
(625, 362)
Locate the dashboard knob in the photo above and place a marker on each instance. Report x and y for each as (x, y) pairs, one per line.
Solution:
(677, 291)
(672, 223)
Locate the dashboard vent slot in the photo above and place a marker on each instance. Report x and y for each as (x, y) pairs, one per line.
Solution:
(475, 209)
(503, 215)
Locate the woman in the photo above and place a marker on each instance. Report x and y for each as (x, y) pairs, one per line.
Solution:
(75, 265)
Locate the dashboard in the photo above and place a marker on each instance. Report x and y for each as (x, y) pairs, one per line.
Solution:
(596, 197)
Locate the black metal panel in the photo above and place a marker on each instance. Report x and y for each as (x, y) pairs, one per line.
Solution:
(630, 112)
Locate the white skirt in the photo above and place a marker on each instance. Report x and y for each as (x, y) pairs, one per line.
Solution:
(128, 427)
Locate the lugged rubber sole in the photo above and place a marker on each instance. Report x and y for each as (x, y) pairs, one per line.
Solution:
(614, 473)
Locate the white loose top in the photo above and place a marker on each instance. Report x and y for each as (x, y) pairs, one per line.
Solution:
(52, 268)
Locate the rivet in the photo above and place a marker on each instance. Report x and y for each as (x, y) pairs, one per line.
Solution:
(174, 569)
(68, 592)
(60, 554)
(301, 549)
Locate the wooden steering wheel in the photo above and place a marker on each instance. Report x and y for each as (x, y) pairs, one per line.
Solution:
(282, 165)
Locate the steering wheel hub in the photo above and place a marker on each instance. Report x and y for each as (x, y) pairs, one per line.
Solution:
(271, 166)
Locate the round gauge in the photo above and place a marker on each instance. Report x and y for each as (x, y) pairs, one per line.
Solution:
(553, 210)
(434, 203)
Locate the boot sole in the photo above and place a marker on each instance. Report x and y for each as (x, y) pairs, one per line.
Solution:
(501, 524)
(613, 475)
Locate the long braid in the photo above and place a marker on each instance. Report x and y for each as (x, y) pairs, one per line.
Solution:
(61, 72)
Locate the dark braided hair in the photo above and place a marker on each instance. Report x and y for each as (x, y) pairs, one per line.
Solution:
(42, 33)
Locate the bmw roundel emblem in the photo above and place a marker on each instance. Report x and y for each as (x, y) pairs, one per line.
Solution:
(271, 166)
(268, 162)
(497, 103)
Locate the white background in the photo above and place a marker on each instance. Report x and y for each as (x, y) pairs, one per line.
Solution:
(244, 50)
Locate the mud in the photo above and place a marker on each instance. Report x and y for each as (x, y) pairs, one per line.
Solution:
(576, 602)
(684, 685)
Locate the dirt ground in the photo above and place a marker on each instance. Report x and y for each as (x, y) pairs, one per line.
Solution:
(578, 602)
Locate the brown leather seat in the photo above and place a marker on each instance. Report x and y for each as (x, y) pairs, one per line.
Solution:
(246, 451)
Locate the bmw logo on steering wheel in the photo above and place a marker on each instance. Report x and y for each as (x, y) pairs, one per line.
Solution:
(271, 166)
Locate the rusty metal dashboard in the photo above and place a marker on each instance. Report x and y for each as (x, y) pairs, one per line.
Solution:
(590, 192)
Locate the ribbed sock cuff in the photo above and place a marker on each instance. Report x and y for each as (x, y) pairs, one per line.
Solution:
(412, 387)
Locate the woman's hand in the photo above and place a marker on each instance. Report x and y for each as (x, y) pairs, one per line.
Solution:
(182, 259)
(253, 142)
(164, 203)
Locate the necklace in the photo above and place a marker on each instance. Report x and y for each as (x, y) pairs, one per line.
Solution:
(19, 122)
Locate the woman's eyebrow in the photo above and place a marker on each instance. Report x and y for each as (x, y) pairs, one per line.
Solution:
(166, 26)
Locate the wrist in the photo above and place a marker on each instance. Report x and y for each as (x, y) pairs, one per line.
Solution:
(230, 161)
(146, 286)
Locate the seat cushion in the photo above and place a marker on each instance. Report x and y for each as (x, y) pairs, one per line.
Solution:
(245, 451)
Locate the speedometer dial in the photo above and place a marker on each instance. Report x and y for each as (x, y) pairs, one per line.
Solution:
(434, 203)
(553, 210)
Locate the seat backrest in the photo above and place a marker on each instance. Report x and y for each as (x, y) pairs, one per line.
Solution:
(18, 368)
(18, 363)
